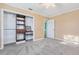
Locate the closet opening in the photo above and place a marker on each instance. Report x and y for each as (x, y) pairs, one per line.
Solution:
(17, 27)
(24, 28)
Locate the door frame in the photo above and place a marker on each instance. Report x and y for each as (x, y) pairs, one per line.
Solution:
(2, 24)
(2, 31)
(53, 30)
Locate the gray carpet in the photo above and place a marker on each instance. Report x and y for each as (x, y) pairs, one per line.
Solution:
(42, 47)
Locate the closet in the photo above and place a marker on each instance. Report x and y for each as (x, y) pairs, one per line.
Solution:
(17, 28)
(29, 27)
(20, 27)
(9, 28)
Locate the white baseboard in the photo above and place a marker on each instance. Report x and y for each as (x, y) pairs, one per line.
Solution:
(49, 38)
(58, 39)
(20, 42)
(1, 48)
(38, 39)
(46, 38)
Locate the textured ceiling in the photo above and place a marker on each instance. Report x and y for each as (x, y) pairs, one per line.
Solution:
(60, 8)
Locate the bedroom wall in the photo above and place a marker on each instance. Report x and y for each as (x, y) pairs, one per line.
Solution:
(67, 25)
(39, 19)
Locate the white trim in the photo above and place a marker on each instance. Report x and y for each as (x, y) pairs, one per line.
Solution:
(28, 10)
(20, 42)
(1, 48)
(45, 15)
(14, 12)
(72, 10)
(38, 39)
(54, 28)
(42, 14)
(58, 39)
(2, 37)
(34, 28)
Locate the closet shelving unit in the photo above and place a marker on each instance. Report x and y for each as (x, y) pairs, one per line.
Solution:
(23, 31)
(20, 28)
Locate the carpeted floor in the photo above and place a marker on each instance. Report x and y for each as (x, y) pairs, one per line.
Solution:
(42, 47)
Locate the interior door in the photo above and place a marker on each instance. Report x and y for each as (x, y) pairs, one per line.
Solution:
(50, 29)
(9, 36)
(9, 21)
(9, 28)
(29, 22)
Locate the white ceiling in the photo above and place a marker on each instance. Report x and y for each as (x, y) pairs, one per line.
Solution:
(60, 8)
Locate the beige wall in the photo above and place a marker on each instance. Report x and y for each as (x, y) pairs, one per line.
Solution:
(67, 24)
(39, 19)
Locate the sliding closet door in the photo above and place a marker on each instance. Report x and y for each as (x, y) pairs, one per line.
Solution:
(9, 28)
(29, 23)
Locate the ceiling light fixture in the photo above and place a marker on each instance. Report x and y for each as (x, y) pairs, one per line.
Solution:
(48, 5)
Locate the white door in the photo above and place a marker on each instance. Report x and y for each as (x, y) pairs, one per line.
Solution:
(9, 28)
(50, 29)
(29, 22)
(9, 36)
(9, 21)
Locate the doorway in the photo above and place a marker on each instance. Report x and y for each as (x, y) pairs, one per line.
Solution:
(49, 29)
(11, 25)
